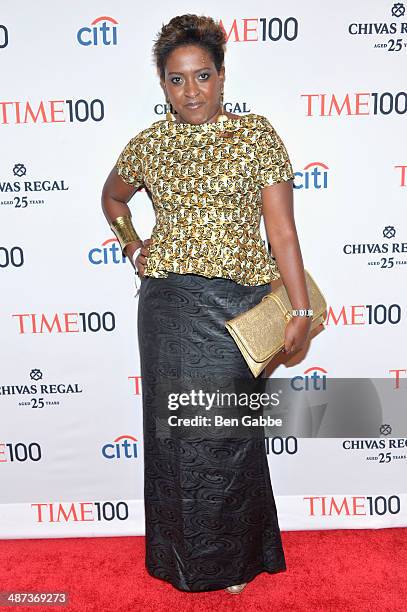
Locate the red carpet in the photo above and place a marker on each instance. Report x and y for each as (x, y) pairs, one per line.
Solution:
(341, 570)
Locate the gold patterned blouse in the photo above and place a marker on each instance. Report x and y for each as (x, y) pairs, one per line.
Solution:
(205, 185)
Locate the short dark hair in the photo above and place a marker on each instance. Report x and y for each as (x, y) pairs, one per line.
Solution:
(190, 29)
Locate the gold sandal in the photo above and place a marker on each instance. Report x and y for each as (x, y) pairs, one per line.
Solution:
(236, 588)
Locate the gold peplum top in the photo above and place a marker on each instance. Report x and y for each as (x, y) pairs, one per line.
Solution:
(206, 184)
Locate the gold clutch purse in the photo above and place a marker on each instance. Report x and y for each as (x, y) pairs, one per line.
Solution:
(260, 332)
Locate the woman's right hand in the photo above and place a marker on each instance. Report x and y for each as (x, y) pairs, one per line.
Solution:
(141, 258)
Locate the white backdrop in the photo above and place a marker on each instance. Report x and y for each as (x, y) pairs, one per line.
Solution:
(78, 82)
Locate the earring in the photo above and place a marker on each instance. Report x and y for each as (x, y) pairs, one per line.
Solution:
(168, 115)
(222, 117)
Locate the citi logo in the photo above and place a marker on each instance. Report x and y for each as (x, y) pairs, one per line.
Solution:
(314, 378)
(109, 252)
(314, 176)
(102, 32)
(123, 447)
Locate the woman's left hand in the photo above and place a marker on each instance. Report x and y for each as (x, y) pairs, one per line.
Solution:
(296, 334)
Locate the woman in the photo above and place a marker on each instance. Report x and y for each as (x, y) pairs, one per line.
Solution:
(211, 520)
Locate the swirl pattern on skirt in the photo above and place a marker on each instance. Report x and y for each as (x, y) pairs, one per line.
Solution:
(211, 518)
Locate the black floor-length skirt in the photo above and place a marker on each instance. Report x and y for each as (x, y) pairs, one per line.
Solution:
(210, 513)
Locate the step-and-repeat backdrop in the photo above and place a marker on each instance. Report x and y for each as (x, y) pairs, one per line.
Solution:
(78, 81)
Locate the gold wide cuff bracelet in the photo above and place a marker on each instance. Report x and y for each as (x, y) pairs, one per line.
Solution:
(124, 231)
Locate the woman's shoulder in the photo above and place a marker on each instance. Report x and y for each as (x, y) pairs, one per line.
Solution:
(261, 121)
(266, 131)
(252, 119)
(146, 135)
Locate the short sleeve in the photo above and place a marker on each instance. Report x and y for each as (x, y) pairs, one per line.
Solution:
(129, 164)
(275, 164)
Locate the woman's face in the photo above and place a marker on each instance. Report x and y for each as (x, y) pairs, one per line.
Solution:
(193, 84)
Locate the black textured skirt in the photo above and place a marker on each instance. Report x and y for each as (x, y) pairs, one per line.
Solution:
(210, 513)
